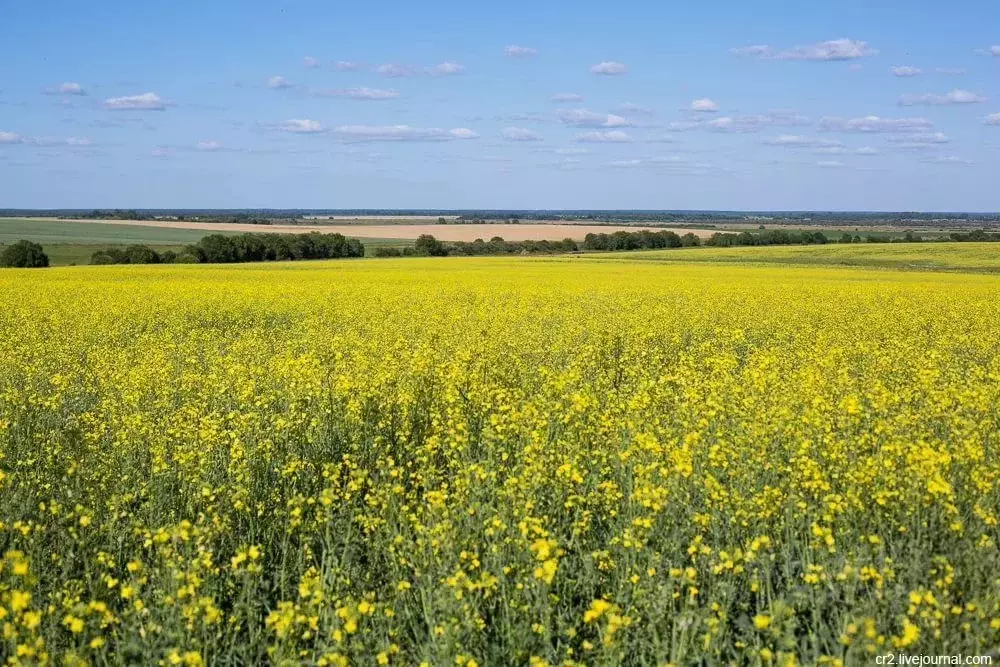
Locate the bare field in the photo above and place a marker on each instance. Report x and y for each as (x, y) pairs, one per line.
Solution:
(522, 232)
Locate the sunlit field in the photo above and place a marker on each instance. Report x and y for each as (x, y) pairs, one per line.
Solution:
(499, 461)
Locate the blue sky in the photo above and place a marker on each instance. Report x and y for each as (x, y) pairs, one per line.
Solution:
(890, 105)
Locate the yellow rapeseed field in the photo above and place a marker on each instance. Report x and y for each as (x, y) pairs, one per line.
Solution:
(480, 462)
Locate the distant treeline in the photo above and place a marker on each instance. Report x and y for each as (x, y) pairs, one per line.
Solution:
(249, 247)
(243, 218)
(641, 240)
(428, 246)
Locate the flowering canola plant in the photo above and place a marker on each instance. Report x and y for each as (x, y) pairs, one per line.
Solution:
(497, 461)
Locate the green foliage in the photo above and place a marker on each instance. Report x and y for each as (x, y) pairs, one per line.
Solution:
(768, 237)
(24, 255)
(133, 254)
(640, 240)
(252, 247)
(427, 245)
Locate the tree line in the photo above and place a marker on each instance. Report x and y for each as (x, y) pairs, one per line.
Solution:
(249, 247)
(428, 246)
(641, 240)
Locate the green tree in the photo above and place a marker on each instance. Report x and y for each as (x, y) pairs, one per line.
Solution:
(24, 255)
(428, 245)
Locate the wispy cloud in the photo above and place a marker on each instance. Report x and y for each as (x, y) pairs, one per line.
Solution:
(300, 126)
(920, 140)
(830, 164)
(704, 105)
(210, 146)
(905, 71)
(278, 83)
(395, 70)
(356, 93)
(567, 97)
(515, 51)
(67, 88)
(951, 71)
(956, 96)
(10, 138)
(798, 140)
(448, 68)
(310, 62)
(992, 119)
(612, 136)
(367, 133)
(834, 49)
(755, 122)
(145, 101)
(348, 66)
(519, 134)
(629, 107)
(584, 118)
(946, 159)
(609, 68)
(873, 124)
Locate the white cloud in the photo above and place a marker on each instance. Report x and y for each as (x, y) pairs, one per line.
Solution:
(704, 105)
(626, 163)
(919, 140)
(757, 122)
(519, 134)
(14, 138)
(905, 71)
(629, 107)
(830, 164)
(348, 66)
(946, 159)
(567, 97)
(147, 101)
(956, 96)
(515, 51)
(866, 150)
(995, 50)
(278, 82)
(682, 125)
(67, 88)
(584, 118)
(161, 152)
(359, 133)
(300, 126)
(612, 136)
(310, 62)
(447, 69)
(210, 146)
(357, 93)
(609, 67)
(992, 119)
(659, 161)
(755, 50)
(874, 124)
(571, 151)
(394, 70)
(790, 140)
(834, 49)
